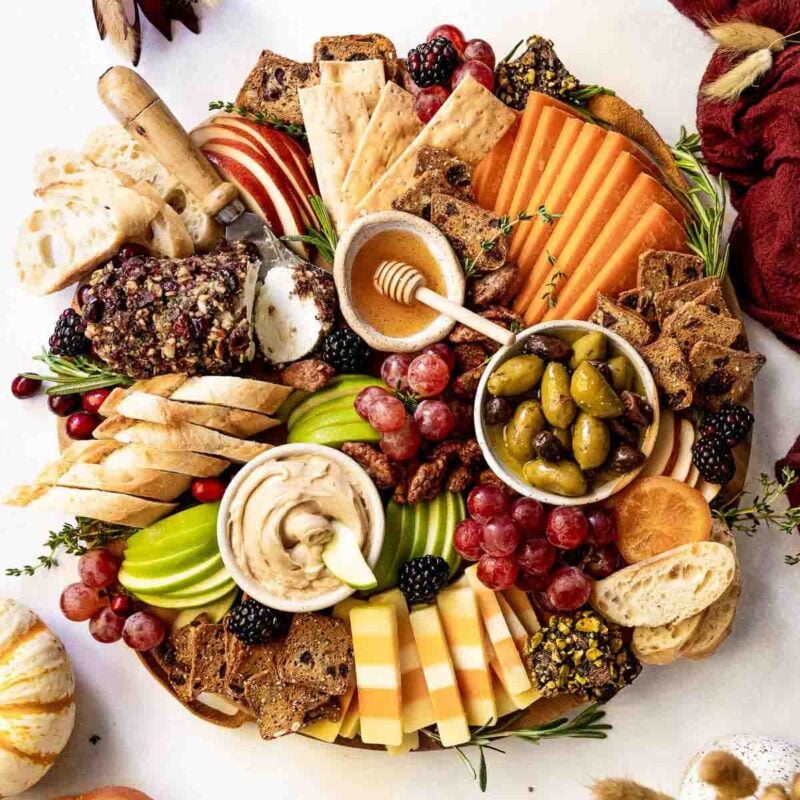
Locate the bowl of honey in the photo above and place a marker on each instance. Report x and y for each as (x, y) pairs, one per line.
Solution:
(385, 324)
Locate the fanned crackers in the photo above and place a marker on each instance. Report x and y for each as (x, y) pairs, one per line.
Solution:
(365, 77)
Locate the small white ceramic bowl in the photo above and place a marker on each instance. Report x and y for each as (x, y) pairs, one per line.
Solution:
(373, 503)
(521, 486)
(356, 236)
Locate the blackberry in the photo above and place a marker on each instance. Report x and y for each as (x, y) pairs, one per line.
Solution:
(253, 623)
(432, 62)
(732, 422)
(69, 338)
(421, 579)
(345, 351)
(713, 459)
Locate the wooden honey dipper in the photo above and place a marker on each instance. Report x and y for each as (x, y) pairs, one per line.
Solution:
(405, 284)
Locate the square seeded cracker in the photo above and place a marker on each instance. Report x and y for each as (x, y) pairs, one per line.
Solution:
(244, 661)
(174, 656)
(209, 662)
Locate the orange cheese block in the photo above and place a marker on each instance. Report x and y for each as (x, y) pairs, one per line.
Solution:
(417, 708)
(376, 648)
(656, 230)
(440, 676)
(488, 175)
(463, 628)
(521, 606)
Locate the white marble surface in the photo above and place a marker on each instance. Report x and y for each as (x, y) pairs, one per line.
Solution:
(49, 61)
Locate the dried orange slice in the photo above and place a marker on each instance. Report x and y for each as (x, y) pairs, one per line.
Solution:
(656, 514)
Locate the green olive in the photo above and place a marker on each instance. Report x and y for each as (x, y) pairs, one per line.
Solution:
(590, 347)
(621, 373)
(557, 403)
(516, 376)
(591, 441)
(527, 421)
(564, 478)
(563, 436)
(593, 393)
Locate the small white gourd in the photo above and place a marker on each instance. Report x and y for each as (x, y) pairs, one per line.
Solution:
(37, 705)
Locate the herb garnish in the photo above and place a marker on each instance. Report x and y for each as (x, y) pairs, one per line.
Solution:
(546, 216)
(585, 725)
(296, 131)
(409, 399)
(504, 227)
(324, 238)
(76, 374)
(75, 540)
(551, 295)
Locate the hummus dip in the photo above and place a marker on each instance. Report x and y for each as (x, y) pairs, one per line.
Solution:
(280, 521)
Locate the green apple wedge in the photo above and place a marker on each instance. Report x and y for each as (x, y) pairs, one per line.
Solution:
(215, 611)
(173, 582)
(341, 386)
(176, 533)
(391, 543)
(349, 429)
(456, 511)
(169, 601)
(437, 526)
(290, 404)
(142, 567)
(326, 409)
(344, 559)
(422, 520)
(220, 578)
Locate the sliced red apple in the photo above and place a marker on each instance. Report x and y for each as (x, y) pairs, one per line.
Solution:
(683, 452)
(662, 450)
(708, 490)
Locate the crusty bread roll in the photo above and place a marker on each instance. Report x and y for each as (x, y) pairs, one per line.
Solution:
(110, 793)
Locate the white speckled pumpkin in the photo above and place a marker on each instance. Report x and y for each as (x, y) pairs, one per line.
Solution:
(37, 706)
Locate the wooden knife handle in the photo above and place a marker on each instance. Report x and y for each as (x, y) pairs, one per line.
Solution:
(139, 109)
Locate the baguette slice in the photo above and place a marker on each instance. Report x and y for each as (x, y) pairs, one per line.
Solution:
(664, 644)
(135, 456)
(667, 588)
(117, 509)
(245, 393)
(168, 236)
(160, 385)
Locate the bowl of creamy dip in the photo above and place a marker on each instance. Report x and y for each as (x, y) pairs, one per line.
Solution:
(277, 516)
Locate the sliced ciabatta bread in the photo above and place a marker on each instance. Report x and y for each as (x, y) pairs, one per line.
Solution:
(663, 645)
(56, 165)
(168, 236)
(667, 588)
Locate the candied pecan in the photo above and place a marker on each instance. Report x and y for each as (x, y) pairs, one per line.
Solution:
(493, 286)
(447, 449)
(469, 452)
(489, 478)
(309, 375)
(470, 355)
(400, 495)
(460, 479)
(502, 316)
(384, 473)
(428, 480)
(466, 385)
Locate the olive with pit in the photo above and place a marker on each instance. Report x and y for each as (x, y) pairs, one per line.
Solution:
(621, 373)
(625, 458)
(550, 348)
(527, 421)
(547, 446)
(516, 376)
(557, 403)
(593, 393)
(564, 478)
(591, 441)
(590, 347)
(638, 411)
(498, 410)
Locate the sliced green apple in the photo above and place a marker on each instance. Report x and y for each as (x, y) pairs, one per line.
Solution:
(217, 579)
(180, 531)
(290, 404)
(139, 567)
(168, 601)
(327, 408)
(437, 526)
(336, 435)
(174, 582)
(422, 523)
(456, 511)
(341, 386)
(344, 559)
(391, 543)
(215, 611)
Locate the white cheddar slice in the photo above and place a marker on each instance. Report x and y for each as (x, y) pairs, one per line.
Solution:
(365, 77)
(410, 742)
(509, 703)
(521, 605)
(515, 627)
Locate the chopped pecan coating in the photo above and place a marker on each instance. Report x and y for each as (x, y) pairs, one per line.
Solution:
(447, 449)
(502, 316)
(384, 473)
(308, 375)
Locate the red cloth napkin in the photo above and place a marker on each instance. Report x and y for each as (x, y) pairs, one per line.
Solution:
(791, 460)
(755, 144)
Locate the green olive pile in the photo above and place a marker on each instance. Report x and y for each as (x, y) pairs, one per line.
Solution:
(570, 414)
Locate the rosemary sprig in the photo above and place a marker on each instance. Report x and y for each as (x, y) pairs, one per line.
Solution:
(585, 92)
(505, 225)
(76, 374)
(551, 295)
(585, 725)
(296, 131)
(75, 540)
(324, 238)
(707, 199)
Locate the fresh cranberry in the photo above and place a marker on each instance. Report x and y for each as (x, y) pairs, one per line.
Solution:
(208, 490)
(122, 605)
(602, 527)
(497, 573)
(91, 401)
(569, 589)
(468, 539)
(62, 405)
(130, 250)
(478, 70)
(449, 32)
(567, 527)
(22, 387)
(602, 561)
(537, 556)
(81, 425)
(529, 516)
(480, 50)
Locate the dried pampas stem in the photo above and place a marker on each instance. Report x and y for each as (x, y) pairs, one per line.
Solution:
(730, 86)
(113, 22)
(746, 37)
(617, 789)
(775, 792)
(729, 776)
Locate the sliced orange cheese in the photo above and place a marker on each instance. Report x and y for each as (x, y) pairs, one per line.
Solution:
(463, 629)
(410, 742)
(376, 648)
(521, 606)
(506, 657)
(488, 175)
(440, 676)
(417, 708)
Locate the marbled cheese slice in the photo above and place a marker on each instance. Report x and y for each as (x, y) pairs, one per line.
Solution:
(520, 637)
(521, 605)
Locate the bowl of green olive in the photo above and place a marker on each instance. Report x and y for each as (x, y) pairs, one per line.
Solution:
(568, 414)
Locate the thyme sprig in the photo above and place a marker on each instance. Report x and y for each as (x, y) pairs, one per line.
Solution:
(505, 225)
(74, 540)
(551, 293)
(296, 131)
(585, 725)
(324, 238)
(76, 374)
(546, 217)
(409, 399)
(707, 199)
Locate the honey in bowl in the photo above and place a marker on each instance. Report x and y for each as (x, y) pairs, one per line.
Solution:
(390, 318)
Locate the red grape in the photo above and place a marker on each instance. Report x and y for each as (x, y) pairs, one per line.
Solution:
(468, 538)
(602, 562)
(444, 352)
(500, 536)
(497, 573)
(529, 516)
(81, 425)
(449, 32)
(403, 444)
(487, 501)
(478, 70)
(365, 398)
(98, 569)
(22, 387)
(208, 490)
(394, 371)
(567, 527)
(480, 50)
(122, 605)
(79, 602)
(387, 414)
(429, 101)
(106, 626)
(428, 375)
(434, 419)
(91, 401)
(569, 589)
(537, 556)
(143, 631)
(602, 527)
(463, 414)
(532, 583)
(62, 405)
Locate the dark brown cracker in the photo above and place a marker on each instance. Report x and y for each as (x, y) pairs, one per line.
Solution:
(703, 320)
(670, 300)
(670, 371)
(359, 47)
(630, 325)
(663, 269)
(244, 661)
(209, 661)
(721, 374)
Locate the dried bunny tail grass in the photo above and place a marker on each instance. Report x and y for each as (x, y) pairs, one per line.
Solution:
(795, 791)
(732, 84)
(729, 776)
(746, 37)
(112, 21)
(775, 792)
(618, 789)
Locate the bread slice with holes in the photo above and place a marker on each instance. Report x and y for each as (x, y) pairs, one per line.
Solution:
(667, 588)
(663, 645)
(704, 320)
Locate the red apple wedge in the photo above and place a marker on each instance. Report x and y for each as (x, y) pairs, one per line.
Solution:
(662, 450)
(683, 451)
